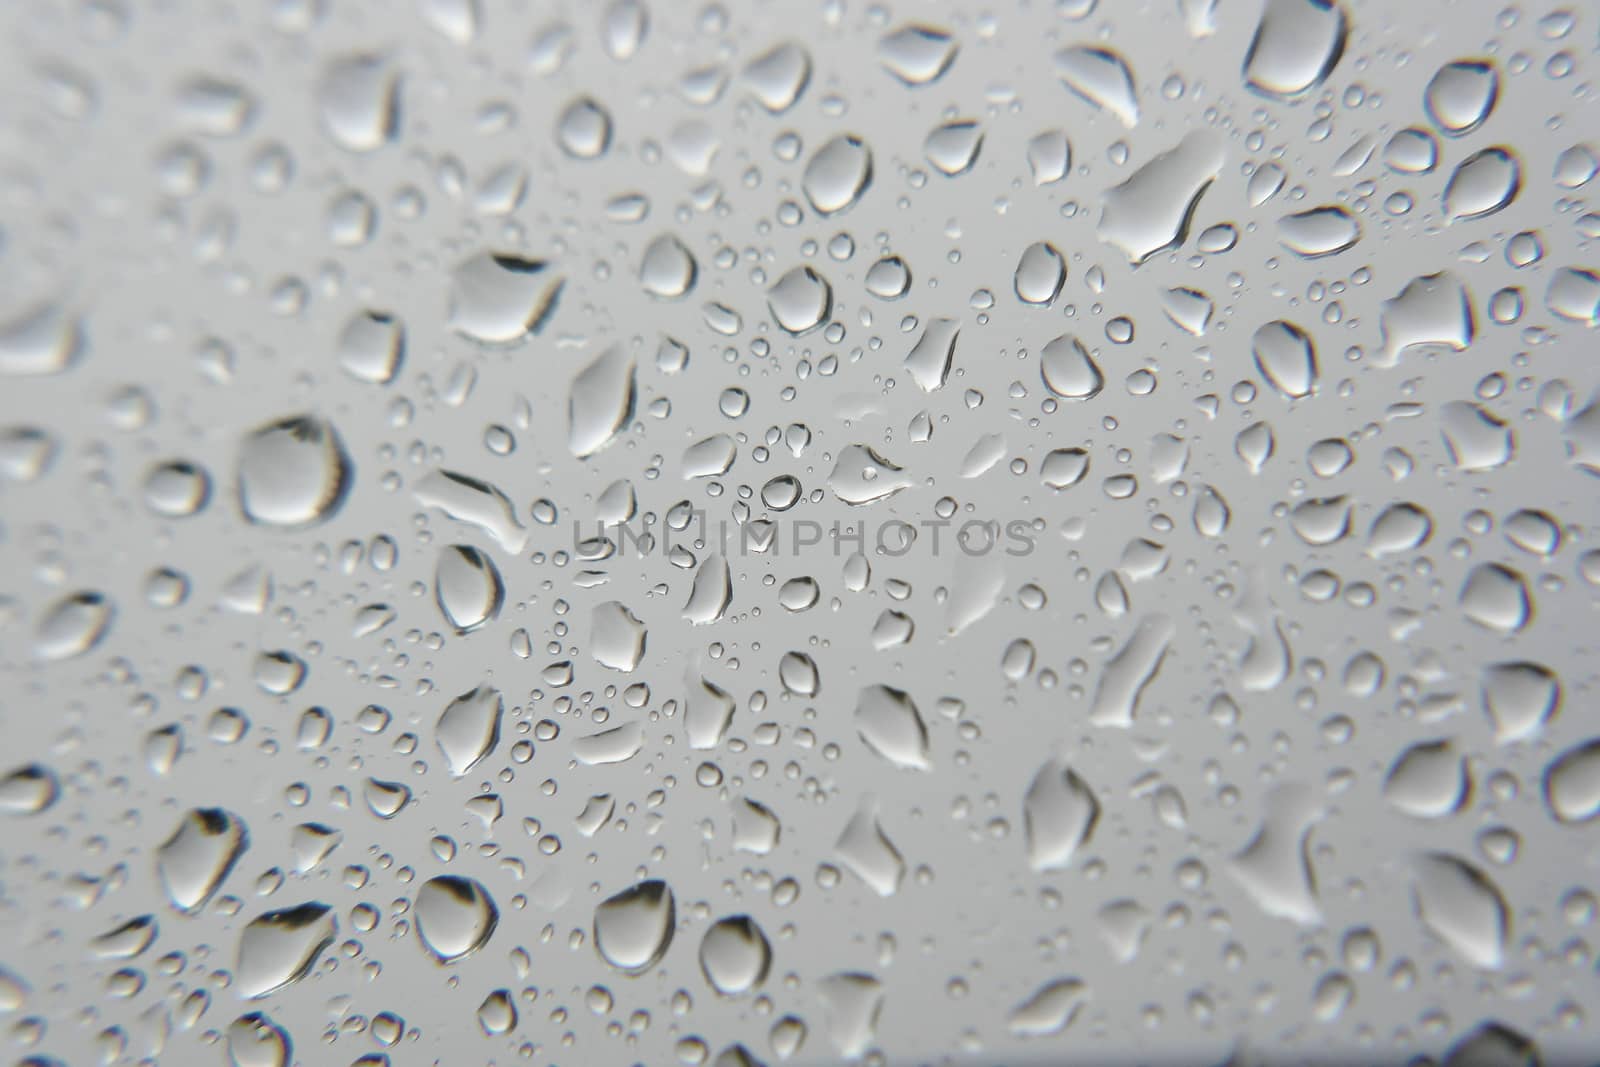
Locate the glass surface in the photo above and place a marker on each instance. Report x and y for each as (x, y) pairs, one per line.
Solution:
(765, 532)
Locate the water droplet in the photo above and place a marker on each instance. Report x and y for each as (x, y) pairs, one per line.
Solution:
(1429, 780)
(467, 587)
(1069, 371)
(617, 637)
(500, 298)
(469, 728)
(1059, 813)
(916, 54)
(633, 929)
(735, 955)
(73, 626)
(1151, 211)
(455, 917)
(838, 174)
(868, 853)
(1458, 903)
(800, 300)
(1482, 184)
(600, 404)
(890, 724)
(1296, 45)
(1322, 231)
(1460, 96)
(668, 269)
(193, 862)
(953, 147)
(583, 130)
(281, 947)
(1101, 77)
(359, 100)
(1039, 274)
(293, 473)
(1050, 1009)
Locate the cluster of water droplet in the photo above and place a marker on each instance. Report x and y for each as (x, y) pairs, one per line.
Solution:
(738, 533)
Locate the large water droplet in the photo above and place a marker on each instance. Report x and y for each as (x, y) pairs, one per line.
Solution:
(1050, 1009)
(1463, 907)
(1059, 814)
(455, 917)
(73, 625)
(1572, 782)
(1101, 77)
(633, 929)
(1460, 95)
(1296, 45)
(668, 269)
(891, 725)
(617, 637)
(1520, 698)
(359, 100)
(281, 947)
(1286, 358)
(293, 473)
(600, 404)
(1428, 780)
(469, 728)
(735, 955)
(44, 339)
(500, 298)
(1068, 370)
(838, 173)
(583, 129)
(1322, 231)
(800, 300)
(1152, 210)
(779, 75)
(916, 54)
(1039, 274)
(953, 147)
(467, 587)
(868, 853)
(202, 850)
(1482, 184)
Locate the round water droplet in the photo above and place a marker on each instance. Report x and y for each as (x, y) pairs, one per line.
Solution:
(293, 473)
(455, 917)
(800, 300)
(735, 955)
(583, 130)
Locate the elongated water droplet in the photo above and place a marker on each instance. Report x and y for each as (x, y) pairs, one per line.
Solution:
(469, 728)
(281, 947)
(868, 853)
(467, 587)
(1059, 814)
(1050, 1009)
(600, 404)
(1151, 211)
(1101, 77)
(1463, 907)
(193, 862)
